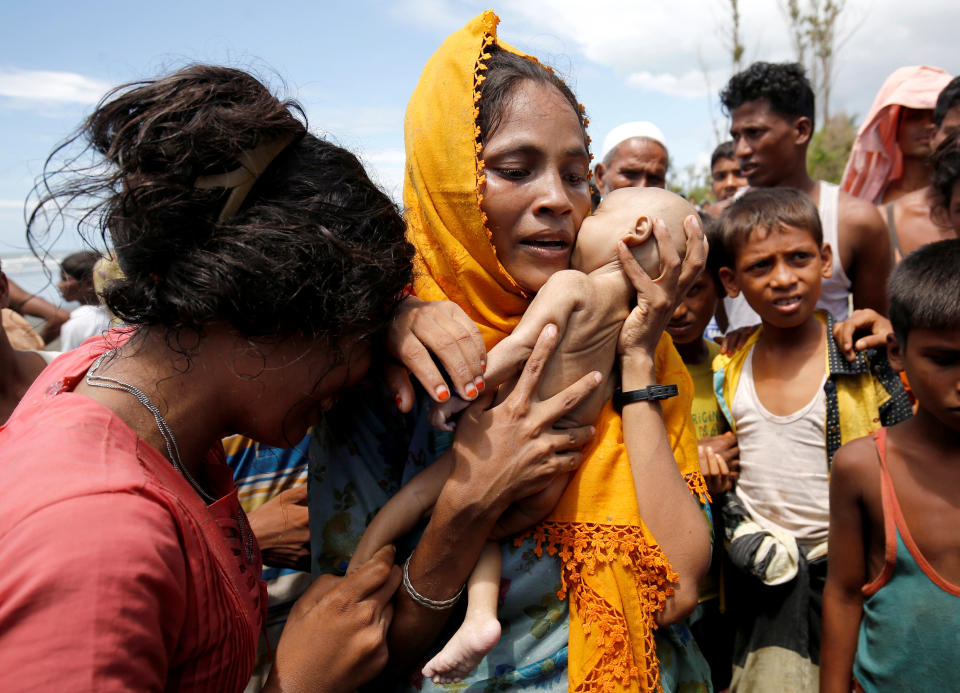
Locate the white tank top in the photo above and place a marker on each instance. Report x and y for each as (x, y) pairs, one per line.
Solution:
(783, 463)
(834, 292)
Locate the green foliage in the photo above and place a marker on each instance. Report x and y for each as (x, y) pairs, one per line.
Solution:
(691, 182)
(830, 148)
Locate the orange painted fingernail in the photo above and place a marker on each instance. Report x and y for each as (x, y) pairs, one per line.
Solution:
(479, 383)
(483, 366)
(471, 391)
(443, 394)
(399, 402)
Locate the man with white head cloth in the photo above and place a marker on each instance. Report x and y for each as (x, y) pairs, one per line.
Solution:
(634, 155)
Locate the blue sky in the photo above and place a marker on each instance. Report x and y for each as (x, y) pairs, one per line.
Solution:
(354, 64)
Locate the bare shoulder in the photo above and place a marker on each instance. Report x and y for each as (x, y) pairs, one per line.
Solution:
(854, 463)
(860, 215)
(566, 286)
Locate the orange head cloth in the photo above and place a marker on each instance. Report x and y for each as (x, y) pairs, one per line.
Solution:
(875, 159)
(613, 572)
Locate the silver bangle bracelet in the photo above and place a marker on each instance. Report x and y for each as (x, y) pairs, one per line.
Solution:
(426, 602)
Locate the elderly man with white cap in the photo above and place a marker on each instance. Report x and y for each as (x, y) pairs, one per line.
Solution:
(634, 155)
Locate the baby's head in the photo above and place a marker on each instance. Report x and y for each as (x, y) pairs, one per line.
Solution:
(627, 215)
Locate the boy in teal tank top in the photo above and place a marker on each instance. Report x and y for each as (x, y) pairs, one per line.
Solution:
(891, 605)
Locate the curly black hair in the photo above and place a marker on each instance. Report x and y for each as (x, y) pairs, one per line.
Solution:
(316, 250)
(948, 98)
(945, 162)
(784, 85)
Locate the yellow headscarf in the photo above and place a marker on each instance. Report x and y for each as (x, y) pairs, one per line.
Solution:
(613, 572)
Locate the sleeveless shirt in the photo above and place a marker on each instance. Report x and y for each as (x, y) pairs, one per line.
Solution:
(911, 615)
(835, 291)
(784, 481)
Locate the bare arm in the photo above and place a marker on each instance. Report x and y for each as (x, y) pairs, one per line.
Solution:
(499, 455)
(403, 511)
(29, 304)
(872, 257)
(846, 571)
(554, 304)
(666, 505)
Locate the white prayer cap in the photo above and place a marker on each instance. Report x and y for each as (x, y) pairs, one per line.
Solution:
(637, 128)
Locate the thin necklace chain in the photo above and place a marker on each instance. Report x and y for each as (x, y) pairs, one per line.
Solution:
(173, 451)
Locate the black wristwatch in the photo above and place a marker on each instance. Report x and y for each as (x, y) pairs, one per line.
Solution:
(651, 393)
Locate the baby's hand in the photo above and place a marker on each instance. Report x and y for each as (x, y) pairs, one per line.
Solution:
(442, 413)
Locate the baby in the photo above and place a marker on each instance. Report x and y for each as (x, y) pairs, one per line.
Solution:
(588, 304)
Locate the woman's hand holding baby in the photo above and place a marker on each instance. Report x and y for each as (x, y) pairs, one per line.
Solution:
(500, 454)
(657, 298)
(512, 451)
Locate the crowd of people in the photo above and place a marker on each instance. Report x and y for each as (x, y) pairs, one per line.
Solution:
(548, 427)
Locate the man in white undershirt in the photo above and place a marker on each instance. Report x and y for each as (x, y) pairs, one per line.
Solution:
(771, 106)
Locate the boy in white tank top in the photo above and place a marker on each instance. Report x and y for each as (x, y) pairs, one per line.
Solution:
(792, 399)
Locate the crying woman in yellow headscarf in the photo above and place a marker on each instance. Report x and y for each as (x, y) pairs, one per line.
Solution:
(495, 191)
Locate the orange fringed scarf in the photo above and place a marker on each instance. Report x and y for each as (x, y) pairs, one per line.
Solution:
(613, 572)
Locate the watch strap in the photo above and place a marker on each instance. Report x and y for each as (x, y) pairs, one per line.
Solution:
(651, 393)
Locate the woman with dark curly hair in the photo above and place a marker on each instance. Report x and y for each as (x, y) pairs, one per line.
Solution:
(261, 269)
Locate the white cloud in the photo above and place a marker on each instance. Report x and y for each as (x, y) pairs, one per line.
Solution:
(11, 204)
(634, 37)
(691, 84)
(50, 87)
(386, 157)
(665, 47)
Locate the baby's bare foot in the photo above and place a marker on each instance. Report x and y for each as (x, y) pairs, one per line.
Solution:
(472, 641)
